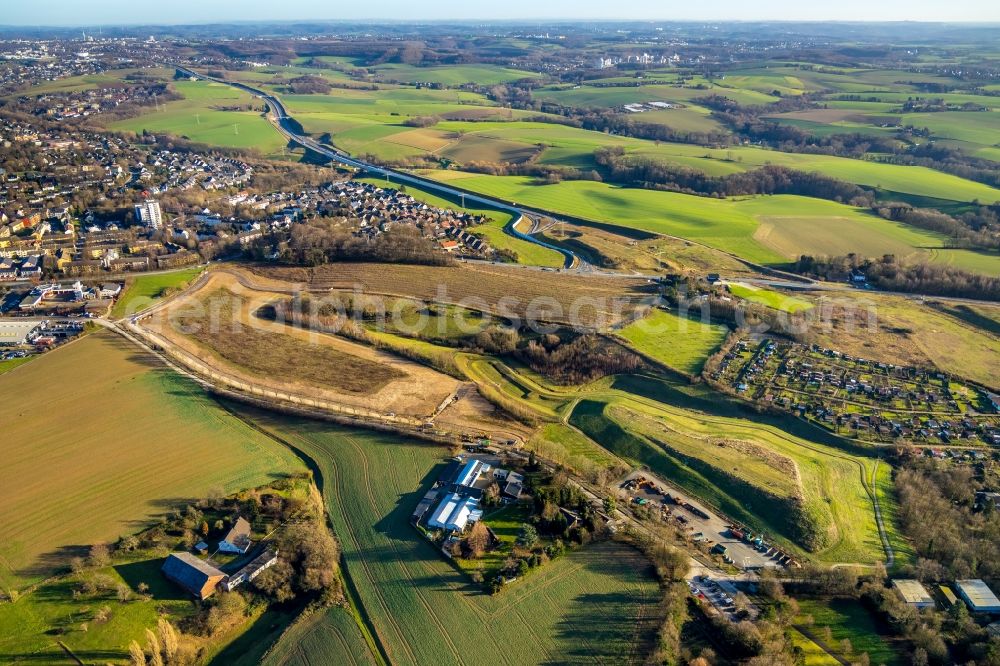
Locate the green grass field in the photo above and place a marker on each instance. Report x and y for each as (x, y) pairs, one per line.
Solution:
(836, 512)
(588, 96)
(452, 75)
(678, 342)
(119, 441)
(567, 446)
(768, 297)
(27, 626)
(10, 364)
(812, 654)
(848, 619)
(93, 81)
(595, 605)
(142, 291)
(197, 118)
(836, 509)
(765, 229)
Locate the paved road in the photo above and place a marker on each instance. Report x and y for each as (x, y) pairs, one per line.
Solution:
(282, 121)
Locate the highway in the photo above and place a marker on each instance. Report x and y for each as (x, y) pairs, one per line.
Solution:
(281, 120)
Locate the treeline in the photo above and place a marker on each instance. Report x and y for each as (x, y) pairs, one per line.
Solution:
(976, 228)
(749, 123)
(309, 85)
(612, 122)
(771, 179)
(324, 240)
(890, 274)
(579, 361)
(576, 360)
(960, 542)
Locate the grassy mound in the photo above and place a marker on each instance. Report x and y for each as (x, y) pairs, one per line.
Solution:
(788, 515)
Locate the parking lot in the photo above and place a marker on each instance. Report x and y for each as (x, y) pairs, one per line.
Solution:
(721, 594)
(696, 520)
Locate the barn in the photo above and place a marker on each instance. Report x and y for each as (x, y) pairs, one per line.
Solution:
(195, 575)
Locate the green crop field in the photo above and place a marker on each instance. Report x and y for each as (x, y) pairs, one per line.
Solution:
(595, 605)
(848, 619)
(142, 291)
(768, 297)
(742, 226)
(328, 637)
(678, 342)
(453, 75)
(197, 118)
(118, 441)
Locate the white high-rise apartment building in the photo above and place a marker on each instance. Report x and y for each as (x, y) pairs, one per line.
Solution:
(148, 212)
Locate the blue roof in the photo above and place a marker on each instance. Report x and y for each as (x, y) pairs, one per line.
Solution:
(469, 473)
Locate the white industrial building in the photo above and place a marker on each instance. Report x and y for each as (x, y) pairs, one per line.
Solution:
(913, 593)
(455, 513)
(14, 333)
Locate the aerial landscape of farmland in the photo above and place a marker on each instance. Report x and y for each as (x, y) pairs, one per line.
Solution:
(415, 340)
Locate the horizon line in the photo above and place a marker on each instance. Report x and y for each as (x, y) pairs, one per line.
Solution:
(487, 21)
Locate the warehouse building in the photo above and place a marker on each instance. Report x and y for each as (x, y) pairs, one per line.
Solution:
(455, 513)
(948, 595)
(471, 472)
(15, 333)
(913, 593)
(978, 596)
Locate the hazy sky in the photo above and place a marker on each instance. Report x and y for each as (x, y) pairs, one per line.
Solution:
(121, 12)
